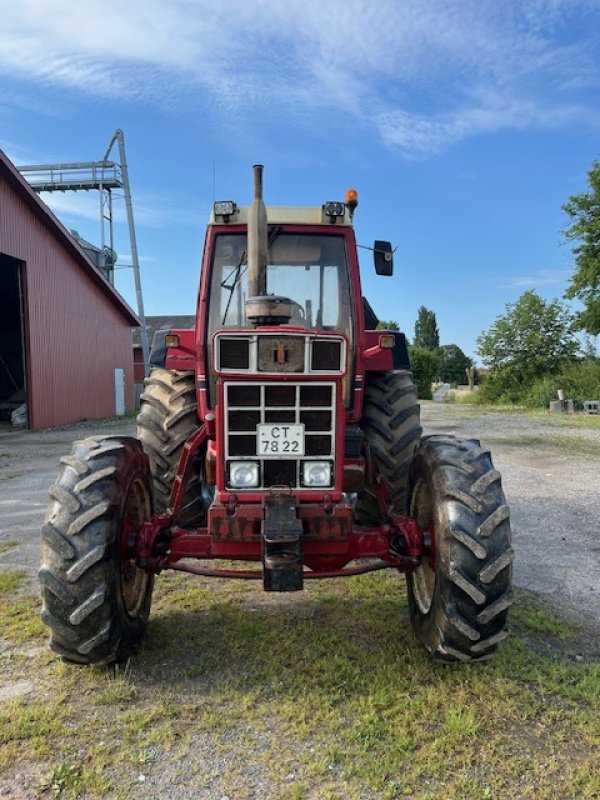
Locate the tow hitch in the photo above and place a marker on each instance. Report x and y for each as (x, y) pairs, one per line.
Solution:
(282, 539)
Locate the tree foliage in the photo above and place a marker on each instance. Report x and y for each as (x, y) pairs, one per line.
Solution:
(425, 365)
(453, 363)
(427, 334)
(387, 325)
(584, 211)
(532, 338)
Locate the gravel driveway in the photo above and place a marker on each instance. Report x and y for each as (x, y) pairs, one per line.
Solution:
(551, 476)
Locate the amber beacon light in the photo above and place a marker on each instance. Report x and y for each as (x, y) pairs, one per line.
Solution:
(351, 200)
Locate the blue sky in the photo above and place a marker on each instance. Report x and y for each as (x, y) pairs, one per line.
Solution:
(464, 125)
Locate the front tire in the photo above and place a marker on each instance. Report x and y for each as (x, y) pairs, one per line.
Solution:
(96, 600)
(168, 416)
(459, 597)
(391, 424)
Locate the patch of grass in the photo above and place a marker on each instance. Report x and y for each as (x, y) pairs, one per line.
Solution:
(581, 420)
(469, 403)
(573, 421)
(116, 688)
(20, 620)
(322, 694)
(530, 614)
(563, 443)
(463, 398)
(62, 778)
(8, 545)
(70, 780)
(11, 581)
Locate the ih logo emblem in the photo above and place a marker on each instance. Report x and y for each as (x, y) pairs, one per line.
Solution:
(281, 354)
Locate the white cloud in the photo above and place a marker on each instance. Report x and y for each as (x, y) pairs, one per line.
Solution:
(425, 75)
(151, 211)
(543, 277)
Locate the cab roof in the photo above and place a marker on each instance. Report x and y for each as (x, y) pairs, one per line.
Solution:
(292, 215)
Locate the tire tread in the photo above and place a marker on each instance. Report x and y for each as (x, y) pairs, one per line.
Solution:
(472, 594)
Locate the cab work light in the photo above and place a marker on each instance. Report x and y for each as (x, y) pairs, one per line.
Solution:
(224, 208)
(333, 210)
(172, 340)
(387, 341)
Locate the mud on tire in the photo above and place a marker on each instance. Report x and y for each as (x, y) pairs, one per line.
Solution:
(168, 415)
(459, 600)
(96, 600)
(391, 423)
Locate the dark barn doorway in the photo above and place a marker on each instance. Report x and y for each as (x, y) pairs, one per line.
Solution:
(13, 375)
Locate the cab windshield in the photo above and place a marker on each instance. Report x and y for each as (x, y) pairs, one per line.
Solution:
(308, 269)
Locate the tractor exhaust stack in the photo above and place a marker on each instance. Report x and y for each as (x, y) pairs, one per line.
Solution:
(257, 239)
(261, 308)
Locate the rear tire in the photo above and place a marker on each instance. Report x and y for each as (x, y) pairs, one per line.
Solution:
(96, 600)
(168, 416)
(391, 423)
(459, 598)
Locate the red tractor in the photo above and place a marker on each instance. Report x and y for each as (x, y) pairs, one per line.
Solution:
(282, 431)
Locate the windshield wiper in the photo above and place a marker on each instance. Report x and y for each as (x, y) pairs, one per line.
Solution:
(238, 272)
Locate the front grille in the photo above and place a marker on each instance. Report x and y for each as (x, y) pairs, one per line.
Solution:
(280, 353)
(326, 355)
(248, 405)
(234, 353)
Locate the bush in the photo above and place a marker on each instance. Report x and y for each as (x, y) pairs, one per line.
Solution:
(542, 391)
(579, 379)
(503, 386)
(425, 366)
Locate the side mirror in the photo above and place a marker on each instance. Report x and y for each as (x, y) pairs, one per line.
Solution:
(383, 257)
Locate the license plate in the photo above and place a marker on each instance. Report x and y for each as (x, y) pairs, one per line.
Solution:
(280, 440)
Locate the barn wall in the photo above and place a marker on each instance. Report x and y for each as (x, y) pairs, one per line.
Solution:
(76, 336)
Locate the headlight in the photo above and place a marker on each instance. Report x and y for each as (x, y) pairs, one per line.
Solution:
(243, 474)
(316, 473)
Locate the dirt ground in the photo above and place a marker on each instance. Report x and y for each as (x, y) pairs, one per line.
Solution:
(550, 472)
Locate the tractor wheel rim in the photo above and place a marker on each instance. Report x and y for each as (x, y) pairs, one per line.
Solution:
(134, 580)
(423, 578)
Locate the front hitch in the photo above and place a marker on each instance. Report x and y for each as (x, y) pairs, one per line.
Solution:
(282, 536)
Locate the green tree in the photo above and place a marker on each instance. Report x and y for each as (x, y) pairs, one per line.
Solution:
(387, 325)
(532, 338)
(584, 211)
(427, 334)
(425, 365)
(453, 363)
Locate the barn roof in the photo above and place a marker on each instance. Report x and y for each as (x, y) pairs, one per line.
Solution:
(37, 206)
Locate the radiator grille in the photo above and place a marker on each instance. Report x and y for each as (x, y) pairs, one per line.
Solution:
(326, 355)
(273, 353)
(234, 353)
(309, 404)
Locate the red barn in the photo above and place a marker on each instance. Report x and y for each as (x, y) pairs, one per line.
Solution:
(65, 332)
